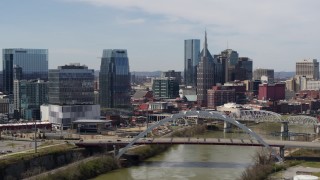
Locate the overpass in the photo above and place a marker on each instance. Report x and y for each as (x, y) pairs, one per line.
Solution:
(122, 142)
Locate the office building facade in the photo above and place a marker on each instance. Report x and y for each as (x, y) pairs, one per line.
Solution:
(71, 84)
(191, 60)
(114, 79)
(205, 75)
(33, 62)
(29, 95)
(308, 68)
(165, 88)
(71, 96)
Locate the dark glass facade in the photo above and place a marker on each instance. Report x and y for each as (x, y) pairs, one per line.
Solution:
(165, 88)
(34, 64)
(71, 84)
(191, 60)
(114, 79)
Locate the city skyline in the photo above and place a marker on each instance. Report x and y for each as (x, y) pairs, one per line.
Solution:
(278, 35)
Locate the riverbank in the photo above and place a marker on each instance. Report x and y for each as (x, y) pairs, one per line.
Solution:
(103, 164)
(25, 164)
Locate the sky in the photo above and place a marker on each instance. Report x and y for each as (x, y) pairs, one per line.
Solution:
(274, 34)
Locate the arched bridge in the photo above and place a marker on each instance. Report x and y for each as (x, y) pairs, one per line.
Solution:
(248, 115)
(201, 114)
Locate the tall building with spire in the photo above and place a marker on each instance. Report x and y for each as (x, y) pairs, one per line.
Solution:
(191, 60)
(205, 74)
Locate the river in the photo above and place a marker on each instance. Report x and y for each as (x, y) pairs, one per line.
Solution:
(182, 162)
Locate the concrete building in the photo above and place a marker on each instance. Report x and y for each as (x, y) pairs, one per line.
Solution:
(308, 69)
(114, 79)
(63, 116)
(191, 60)
(313, 85)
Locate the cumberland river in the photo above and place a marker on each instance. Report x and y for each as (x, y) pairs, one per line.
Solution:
(190, 162)
(184, 162)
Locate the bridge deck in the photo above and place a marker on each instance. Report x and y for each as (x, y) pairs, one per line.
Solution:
(204, 141)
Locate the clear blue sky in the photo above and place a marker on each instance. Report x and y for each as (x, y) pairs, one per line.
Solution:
(275, 34)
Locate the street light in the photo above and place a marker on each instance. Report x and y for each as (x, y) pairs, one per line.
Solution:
(35, 136)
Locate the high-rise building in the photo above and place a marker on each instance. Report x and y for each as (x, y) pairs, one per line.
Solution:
(34, 64)
(165, 88)
(243, 69)
(29, 95)
(205, 74)
(308, 68)
(114, 79)
(258, 73)
(71, 96)
(71, 84)
(191, 60)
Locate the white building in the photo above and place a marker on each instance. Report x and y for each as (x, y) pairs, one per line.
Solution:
(64, 115)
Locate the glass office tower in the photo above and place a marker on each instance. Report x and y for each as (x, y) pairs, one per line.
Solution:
(191, 60)
(71, 84)
(114, 79)
(34, 64)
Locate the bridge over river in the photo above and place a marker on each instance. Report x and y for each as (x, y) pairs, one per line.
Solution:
(122, 142)
(257, 116)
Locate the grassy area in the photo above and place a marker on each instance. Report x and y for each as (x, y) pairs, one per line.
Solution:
(11, 145)
(31, 154)
(84, 171)
(306, 153)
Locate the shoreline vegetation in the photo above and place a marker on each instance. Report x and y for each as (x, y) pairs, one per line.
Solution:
(265, 166)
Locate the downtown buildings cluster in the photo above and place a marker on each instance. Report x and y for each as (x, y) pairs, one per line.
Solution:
(32, 91)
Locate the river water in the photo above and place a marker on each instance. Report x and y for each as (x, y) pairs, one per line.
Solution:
(198, 162)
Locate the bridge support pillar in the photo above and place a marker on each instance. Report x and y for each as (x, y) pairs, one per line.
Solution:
(284, 129)
(115, 150)
(281, 152)
(226, 127)
(317, 129)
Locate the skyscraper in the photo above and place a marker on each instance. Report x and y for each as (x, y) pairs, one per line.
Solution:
(205, 74)
(191, 60)
(114, 79)
(34, 64)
